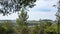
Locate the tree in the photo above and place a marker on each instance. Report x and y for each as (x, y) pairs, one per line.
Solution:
(22, 20)
(21, 27)
(11, 6)
(58, 17)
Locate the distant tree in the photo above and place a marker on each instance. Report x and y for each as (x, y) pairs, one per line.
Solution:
(11, 6)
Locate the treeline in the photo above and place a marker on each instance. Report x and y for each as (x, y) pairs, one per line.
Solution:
(44, 27)
(21, 26)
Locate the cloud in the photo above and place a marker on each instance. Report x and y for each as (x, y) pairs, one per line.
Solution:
(42, 5)
(43, 10)
(36, 15)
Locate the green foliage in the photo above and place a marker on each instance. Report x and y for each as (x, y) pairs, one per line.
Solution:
(25, 30)
(36, 30)
(52, 29)
(11, 6)
(2, 30)
(22, 20)
(6, 28)
(21, 23)
(45, 27)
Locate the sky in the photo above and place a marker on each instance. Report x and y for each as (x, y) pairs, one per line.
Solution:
(43, 10)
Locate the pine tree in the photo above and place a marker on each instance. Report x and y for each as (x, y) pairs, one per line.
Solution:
(22, 27)
(22, 20)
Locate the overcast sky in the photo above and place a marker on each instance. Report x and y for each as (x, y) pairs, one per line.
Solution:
(43, 10)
